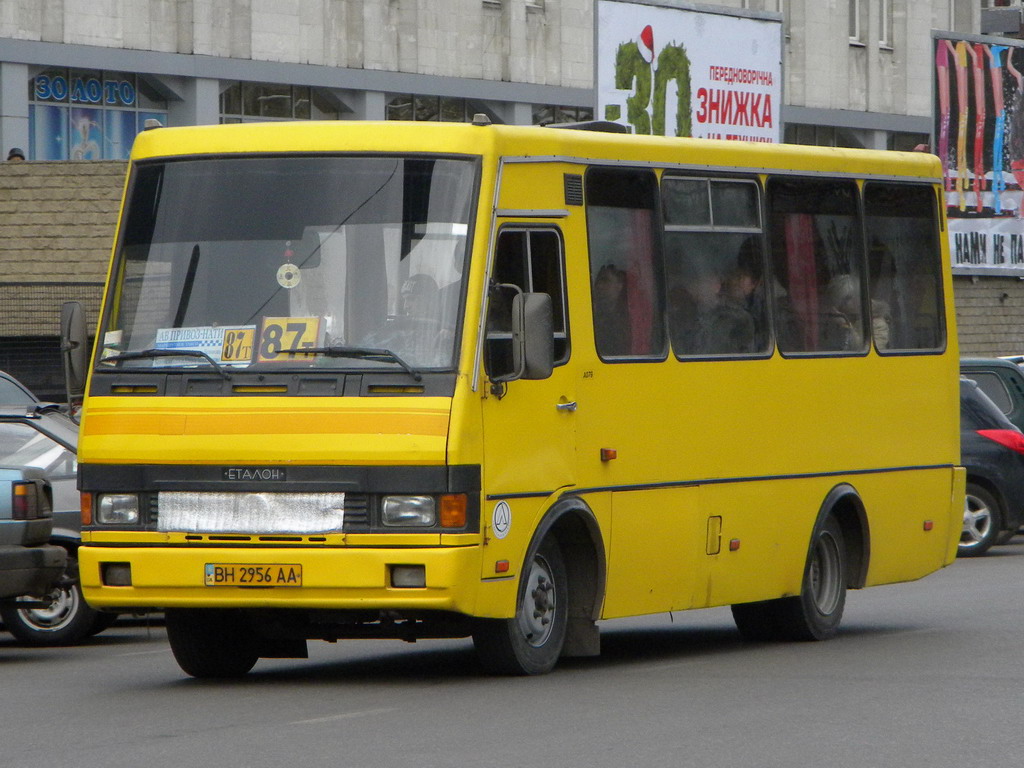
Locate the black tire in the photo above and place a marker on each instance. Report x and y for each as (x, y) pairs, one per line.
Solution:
(67, 620)
(1005, 537)
(530, 642)
(816, 613)
(211, 643)
(983, 521)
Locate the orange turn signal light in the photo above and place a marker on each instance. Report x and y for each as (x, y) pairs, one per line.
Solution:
(453, 510)
(86, 509)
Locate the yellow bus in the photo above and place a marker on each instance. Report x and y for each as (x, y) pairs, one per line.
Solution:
(357, 380)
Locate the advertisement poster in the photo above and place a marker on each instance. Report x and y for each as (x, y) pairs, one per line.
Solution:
(979, 137)
(687, 72)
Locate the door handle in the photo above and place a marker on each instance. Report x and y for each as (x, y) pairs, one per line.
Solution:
(566, 406)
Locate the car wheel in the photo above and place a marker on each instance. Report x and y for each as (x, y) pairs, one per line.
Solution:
(814, 614)
(530, 642)
(211, 643)
(67, 620)
(982, 522)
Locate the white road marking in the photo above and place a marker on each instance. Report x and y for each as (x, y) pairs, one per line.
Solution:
(344, 716)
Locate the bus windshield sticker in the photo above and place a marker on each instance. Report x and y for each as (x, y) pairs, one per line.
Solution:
(287, 333)
(228, 345)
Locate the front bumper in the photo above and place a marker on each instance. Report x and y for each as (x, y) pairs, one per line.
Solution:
(341, 578)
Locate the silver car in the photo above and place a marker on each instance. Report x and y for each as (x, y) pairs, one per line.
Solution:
(39, 439)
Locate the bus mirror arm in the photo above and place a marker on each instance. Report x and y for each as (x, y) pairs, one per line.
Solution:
(74, 349)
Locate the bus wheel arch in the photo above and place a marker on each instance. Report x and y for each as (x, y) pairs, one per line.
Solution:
(571, 522)
(837, 560)
(561, 582)
(844, 503)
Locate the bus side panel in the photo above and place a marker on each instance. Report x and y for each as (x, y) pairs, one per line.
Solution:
(658, 561)
(913, 516)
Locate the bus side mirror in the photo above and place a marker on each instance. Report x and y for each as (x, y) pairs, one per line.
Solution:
(74, 350)
(533, 337)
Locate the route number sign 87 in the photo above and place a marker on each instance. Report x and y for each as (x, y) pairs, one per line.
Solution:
(278, 335)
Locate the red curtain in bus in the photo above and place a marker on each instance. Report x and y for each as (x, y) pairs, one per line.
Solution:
(800, 269)
(640, 282)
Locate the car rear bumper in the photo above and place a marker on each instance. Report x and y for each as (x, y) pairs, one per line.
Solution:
(30, 570)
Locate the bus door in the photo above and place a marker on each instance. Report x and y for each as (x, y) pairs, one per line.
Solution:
(528, 425)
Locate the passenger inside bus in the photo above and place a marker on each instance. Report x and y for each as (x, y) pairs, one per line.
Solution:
(611, 312)
(842, 327)
(415, 333)
(719, 309)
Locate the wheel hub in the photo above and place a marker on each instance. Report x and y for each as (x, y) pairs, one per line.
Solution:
(538, 607)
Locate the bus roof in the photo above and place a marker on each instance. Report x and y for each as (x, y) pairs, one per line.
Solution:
(525, 142)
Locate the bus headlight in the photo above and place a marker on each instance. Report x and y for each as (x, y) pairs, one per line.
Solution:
(117, 509)
(408, 510)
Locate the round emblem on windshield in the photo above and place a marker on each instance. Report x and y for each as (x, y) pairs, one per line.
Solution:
(288, 275)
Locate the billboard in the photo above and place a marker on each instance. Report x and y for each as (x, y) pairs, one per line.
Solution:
(689, 71)
(979, 137)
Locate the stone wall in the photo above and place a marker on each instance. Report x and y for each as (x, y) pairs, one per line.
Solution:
(57, 224)
(990, 315)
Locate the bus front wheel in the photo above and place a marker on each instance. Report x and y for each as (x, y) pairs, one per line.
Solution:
(814, 614)
(530, 642)
(211, 643)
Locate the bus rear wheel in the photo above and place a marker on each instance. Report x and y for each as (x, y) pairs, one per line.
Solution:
(814, 614)
(211, 643)
(530, 642)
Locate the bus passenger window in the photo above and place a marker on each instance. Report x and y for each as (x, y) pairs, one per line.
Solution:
(530, 260)
(625, 273)
(904, 266)
(714, 260)
(816, 259)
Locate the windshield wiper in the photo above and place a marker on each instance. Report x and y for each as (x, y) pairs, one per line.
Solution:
(360, 353)
(147, 354)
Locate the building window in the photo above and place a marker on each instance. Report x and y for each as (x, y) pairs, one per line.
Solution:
(445, 109)
(822, 136)
(853, 24)
(903, 141)
(885, 24)
(252, 102)
(78, 114)
(545, 114)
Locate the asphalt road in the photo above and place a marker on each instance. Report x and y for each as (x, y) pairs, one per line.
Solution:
(922, 674)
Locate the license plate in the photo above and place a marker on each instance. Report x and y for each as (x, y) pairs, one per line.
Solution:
(253, 575)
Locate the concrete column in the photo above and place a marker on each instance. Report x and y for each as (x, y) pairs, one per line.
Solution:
(373, 106)
(199, 103)
(520, 114)
(13, 108)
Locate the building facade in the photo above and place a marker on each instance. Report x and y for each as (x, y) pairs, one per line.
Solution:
(79, 78)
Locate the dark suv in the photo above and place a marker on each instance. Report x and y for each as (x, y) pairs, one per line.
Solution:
(1002, 380)
(992, 450)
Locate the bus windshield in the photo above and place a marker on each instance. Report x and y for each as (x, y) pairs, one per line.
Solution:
(242, 262)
